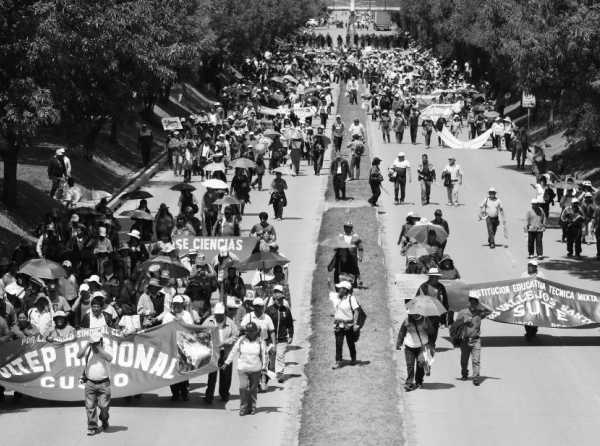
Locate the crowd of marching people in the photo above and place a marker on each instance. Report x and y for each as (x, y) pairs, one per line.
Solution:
(87, 270)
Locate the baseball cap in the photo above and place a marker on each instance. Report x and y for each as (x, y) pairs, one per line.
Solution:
(492, 189)
(94, 278)
(135, 234)
(178, 299)
(219, 308)
(258, 301)
(401, 154)
(433, 272)
(59, 313)
(575, 200)
(278, 288)
(232, 302)
(67, 264)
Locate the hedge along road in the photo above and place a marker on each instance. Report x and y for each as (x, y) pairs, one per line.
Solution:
(542, 393)
(355, 404)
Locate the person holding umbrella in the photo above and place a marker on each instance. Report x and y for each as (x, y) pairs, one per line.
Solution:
(414, 336)
(466, 333)
(434, 288)
(240, 187)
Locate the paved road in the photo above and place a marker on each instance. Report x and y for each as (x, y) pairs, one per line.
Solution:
(155, 420)
(547, 394)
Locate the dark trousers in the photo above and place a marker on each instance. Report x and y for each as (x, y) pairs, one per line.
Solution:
(428, 138)
(472, 348)
(521, 157)
(339, 187)
(574, 239)
(258, 180)
(278, 209)
(400, 186)
(355, 167)
(145, 155)
(425, 191)
(413, 134)
(386, 135)
(224, 380)
(180, 389)
(353, 97)
(348, 333)
(411, 355)
(97, 399)
(376, 191)
(248, 390)
(337, 143)
(399, 136)
(317, 163)
(534, 240)
(492, 226)
(597, 243)
(56, 182)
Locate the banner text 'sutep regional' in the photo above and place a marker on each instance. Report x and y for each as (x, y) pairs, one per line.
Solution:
(141, 362)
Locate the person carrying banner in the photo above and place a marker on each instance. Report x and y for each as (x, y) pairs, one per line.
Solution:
(96, 379)
(228, 334)
(466, 333)
(251, 353)
(532, 271)
(491, 209)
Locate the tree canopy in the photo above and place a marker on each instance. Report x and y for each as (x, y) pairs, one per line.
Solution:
(548, 47)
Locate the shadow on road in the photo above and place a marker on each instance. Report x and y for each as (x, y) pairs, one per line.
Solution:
(541, 340)
(587, 268)
(437, 386)
(115, 429)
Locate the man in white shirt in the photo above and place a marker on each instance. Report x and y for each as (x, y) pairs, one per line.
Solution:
(96, 377)
(399, 171)
(453, 178)
(262, 321)
(497, 133)
(491, 210)
(357, 129)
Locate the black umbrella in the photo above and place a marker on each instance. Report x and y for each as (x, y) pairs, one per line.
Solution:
(183, 186)
(137, 195)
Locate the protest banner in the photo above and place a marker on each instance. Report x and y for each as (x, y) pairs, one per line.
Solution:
(531, 301)
(141, 362)
(242, 247)
(172, 123)
(454, 143)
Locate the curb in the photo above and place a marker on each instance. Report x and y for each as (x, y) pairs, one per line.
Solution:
(139, 178)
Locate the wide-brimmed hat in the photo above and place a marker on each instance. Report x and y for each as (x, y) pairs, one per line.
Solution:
(434, 272)
(135, 234)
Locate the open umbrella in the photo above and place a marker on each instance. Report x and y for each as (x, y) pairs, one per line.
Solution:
(214, 183)
(137, 195)
(419, 250)
(226, 201)
(175, 268)
(490, 114)
(277, 79)
(213, 167)
(337, 243)
(420, 231)
(263, 260)
(42, 269)
(290, 78)
(426, 306)
(182, 186)
(243, 163)
(141, 215)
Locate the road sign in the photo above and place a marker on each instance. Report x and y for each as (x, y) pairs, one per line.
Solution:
(528, 100)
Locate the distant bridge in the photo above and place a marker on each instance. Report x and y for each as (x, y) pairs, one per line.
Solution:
(363, 5)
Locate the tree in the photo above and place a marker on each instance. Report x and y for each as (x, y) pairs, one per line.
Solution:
(24, 105)
(105, 57)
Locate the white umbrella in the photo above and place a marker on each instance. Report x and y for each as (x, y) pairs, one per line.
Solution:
(215, 184)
